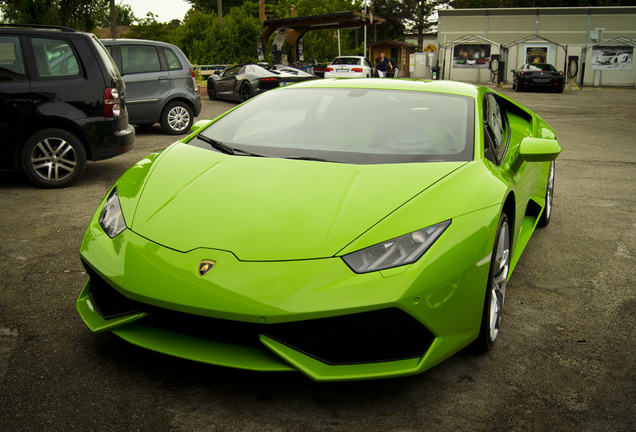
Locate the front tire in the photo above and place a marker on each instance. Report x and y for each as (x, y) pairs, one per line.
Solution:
(544, 220)
(53, 158)
(496, 289)
(176, 118)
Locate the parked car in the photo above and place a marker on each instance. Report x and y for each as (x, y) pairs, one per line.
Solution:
(62, 102)
(160, 83)
(241, 82)
(349, 67)
(538, 75)
(312, 237)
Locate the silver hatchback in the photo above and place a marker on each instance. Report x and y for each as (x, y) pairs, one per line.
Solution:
(160, 83)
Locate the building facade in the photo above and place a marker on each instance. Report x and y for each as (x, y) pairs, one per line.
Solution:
(591, 45)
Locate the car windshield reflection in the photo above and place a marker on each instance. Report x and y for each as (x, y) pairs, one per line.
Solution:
(362, 126)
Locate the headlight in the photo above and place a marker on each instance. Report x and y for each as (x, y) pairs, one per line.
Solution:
(111, 219)
(399, 251)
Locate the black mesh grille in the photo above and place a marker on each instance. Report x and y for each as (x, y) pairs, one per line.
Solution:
(107, 301)
(376, 336)
(382, 335)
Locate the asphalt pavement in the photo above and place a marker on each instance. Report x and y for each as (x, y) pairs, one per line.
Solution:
(565, 359)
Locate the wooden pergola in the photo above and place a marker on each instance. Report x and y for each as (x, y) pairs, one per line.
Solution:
(298, 26)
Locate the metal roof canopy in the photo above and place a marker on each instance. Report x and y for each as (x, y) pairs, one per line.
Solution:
(460, 41)
(535, 37)
(301, 25)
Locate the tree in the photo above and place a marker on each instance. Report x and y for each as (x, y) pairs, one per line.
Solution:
(78, 14)
(125, 16)
(209, 6)
(419, 20)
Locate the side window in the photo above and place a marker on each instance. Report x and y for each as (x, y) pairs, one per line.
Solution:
(139, 59)
(11, 64)
(495, 129)
(54, 58)
(171, 58)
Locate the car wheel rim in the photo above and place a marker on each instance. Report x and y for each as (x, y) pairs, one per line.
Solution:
(549, 192)
(53, 159)
(499, 280)
(245, 92)
(178, 118)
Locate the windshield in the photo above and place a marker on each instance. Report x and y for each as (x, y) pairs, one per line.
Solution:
(362, 126)
(540, 67)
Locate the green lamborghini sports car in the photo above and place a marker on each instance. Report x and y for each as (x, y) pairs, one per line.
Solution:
(346, 229)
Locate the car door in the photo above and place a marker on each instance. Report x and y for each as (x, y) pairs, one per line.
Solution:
(146, 83)
(15, 96)
(226, 84)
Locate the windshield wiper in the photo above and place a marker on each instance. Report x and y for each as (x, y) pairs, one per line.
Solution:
(224, 148)
(308, 158)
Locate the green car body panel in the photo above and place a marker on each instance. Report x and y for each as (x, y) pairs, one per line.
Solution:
(277, 230)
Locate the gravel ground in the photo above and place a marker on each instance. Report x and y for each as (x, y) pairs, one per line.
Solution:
(565, 360)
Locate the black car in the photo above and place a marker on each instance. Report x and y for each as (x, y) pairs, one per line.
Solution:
(62, 102)
(241, 82)
(538, 75)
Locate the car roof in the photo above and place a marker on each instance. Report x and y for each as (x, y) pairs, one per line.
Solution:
(449, 87)
(136, 42)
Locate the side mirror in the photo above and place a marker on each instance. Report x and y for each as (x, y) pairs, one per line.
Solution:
(199, 125)
(539, 149)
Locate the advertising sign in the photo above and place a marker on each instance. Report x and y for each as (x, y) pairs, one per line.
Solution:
(471, 56)
(612, 57)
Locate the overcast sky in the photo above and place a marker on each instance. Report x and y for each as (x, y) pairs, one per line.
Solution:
(166, 10)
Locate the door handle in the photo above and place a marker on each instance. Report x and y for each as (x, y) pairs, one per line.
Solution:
(163, 78)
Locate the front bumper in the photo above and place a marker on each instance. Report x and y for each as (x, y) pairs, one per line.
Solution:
(314, 316)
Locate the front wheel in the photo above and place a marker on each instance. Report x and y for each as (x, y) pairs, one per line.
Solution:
(496, 289)
(176, 118)
(549, 195)
(53, 158)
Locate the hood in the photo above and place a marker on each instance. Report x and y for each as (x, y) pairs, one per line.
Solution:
(267, 209)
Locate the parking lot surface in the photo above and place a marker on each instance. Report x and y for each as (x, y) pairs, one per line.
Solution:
(565, 360)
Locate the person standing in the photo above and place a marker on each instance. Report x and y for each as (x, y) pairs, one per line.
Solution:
(382, 63)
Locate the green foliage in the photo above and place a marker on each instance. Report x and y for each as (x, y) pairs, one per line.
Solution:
(77, 14)
(125, 16)
(150, 28)
(201, 40)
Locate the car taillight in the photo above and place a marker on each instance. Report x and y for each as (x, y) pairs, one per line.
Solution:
(521, 73)
(112, 103)
(329, 69)
(194, 79)
(356, 69)
(560, 73)
(268, 79)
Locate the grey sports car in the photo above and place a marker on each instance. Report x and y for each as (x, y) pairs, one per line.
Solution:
(241, 82)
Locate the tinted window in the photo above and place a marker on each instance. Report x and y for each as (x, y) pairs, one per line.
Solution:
(347, 61)
(172, 59)
(11, 64)
(139, 58)
(54, 58)
(495, 129)
(105, 53)
(352, 125)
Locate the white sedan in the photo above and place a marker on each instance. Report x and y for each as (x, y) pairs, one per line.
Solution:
(349, 67)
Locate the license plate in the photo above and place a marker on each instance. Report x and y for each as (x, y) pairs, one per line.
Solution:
(342, 70)
(284, 83)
